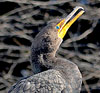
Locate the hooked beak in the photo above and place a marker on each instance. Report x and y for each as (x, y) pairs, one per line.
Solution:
(66, 23)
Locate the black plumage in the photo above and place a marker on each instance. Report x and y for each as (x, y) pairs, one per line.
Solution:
(51, 74)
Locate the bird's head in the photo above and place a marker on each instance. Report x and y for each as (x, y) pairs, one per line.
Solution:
(51, 36)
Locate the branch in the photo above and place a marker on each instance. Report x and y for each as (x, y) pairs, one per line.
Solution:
(38, 3)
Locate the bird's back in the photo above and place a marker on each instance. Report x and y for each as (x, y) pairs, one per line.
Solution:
(46, 82)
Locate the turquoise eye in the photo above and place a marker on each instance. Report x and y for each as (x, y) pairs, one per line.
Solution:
(57, 27)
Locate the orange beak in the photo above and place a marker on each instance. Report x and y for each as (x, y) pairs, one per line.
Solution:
(66, 23)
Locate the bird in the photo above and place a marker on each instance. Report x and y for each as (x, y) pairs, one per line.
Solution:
(50, 73)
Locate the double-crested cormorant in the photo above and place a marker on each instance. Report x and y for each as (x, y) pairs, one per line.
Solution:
(52, 75)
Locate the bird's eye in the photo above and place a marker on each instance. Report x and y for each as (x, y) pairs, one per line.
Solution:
(57, 27)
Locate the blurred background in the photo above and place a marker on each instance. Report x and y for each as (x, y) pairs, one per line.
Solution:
(20, 22)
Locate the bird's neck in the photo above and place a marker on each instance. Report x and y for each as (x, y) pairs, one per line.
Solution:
(41, 62)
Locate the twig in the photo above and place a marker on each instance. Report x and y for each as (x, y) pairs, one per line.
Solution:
(86, 86)
(38, 3)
